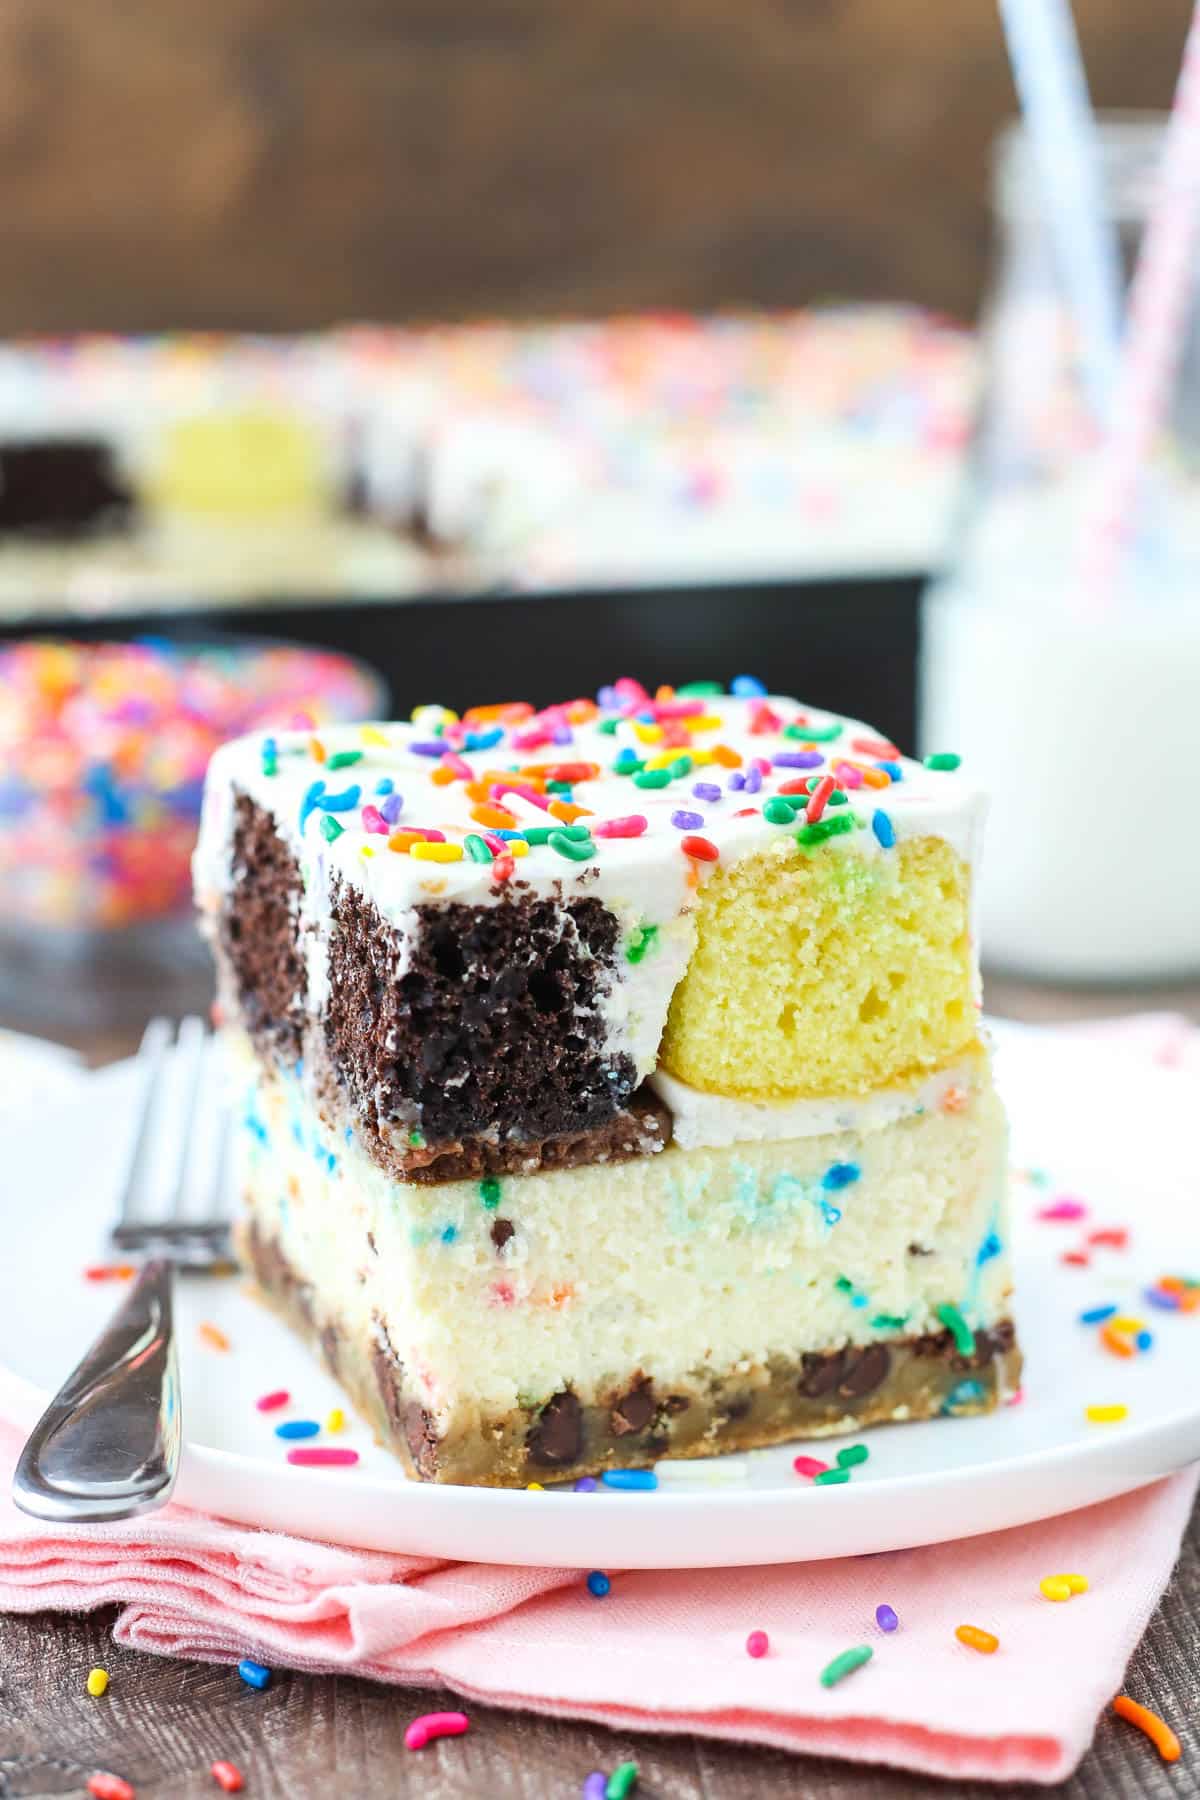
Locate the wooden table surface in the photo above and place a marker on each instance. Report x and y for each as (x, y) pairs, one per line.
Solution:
(163, 1722)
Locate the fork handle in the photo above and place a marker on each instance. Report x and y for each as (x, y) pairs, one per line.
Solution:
(107, 1446)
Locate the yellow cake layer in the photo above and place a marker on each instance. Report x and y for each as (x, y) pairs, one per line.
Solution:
(825, 974)
(250, 463)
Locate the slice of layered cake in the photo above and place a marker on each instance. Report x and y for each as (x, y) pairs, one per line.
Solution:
(610, 1078)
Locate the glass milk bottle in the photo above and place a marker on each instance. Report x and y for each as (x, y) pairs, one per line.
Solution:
(1083, 725)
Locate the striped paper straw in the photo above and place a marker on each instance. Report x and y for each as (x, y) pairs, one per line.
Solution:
(1050, 80)
(1163, 287)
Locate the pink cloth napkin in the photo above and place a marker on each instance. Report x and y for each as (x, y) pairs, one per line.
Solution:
(665, 1651)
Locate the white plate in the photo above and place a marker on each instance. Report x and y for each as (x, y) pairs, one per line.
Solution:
(1106, 1127)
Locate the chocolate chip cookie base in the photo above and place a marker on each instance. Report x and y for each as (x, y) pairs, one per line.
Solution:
(638, 1423)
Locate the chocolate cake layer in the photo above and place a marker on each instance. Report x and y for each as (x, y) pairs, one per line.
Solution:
(473, 1047)
(487, 1019)
(634, 1425)
(261, 970)
(62, 488)
(640, 1129)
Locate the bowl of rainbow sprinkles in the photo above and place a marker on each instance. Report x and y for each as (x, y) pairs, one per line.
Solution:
(103, 751)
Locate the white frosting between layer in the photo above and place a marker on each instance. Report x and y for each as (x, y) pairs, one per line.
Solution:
(713, 1121)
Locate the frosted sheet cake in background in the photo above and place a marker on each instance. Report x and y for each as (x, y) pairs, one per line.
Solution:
(379, 462)
(610, 1078)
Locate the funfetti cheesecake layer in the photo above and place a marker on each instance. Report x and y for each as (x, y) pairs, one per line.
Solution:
(490, 932)
(552, 1324)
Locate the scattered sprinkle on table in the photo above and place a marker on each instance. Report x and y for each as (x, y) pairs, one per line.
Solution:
(975, 1639)
(429, 1726)
(642, 1480)
(212, 1335)
(852, 1455)
(1156, 1729)
(831, 1478)
(322, 1456)
(1116, 1342)
(1096, 1315)
(1105, 1415)
(254, 1674)
(336, 1420)
(1115, 1237)
(97, 1682)
(273, 1401)
(110, 1271)
(587, 1484)
(227, 1776)
(622, 1781)
(534, 1487)
(109, 1787)
(1062, 1587)
(845, 1664)
(1185, 1288)
(297, 1428)
(596, 1785)
(598, 1584)
(757, 1644)
(809, 1465)
(1063, 1209)
(886, 1618)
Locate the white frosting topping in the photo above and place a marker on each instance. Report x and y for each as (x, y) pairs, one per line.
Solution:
(726, 757)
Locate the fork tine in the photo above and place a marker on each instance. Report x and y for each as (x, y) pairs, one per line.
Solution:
(215, 1122)
(180, 1099)
(151, 1057)
(220, 1171)
(190, 1050)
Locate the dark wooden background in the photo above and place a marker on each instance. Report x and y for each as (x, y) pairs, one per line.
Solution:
(286, 163)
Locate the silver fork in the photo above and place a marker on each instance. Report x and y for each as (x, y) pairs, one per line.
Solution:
(107, 1446)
